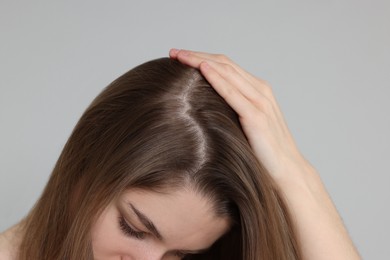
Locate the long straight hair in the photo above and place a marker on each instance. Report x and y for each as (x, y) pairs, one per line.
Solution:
(159, 126)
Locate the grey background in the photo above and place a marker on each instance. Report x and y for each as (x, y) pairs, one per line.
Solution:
(328, 63)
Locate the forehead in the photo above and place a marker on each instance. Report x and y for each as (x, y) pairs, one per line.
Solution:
(183, 217)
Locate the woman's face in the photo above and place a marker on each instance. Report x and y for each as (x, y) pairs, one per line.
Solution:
(145, 225)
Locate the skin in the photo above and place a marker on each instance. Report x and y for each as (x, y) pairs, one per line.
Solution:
(320, 230)
(9, 241)
(319, 227)
(185, 221)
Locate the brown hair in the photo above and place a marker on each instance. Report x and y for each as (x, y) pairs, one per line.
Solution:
(157, 126)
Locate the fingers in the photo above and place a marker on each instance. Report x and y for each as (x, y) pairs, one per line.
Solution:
(174, 53)
(188, 58)
(233, 96)
(194, 58)
(184, 55)
(245, 87)
(247, 84)
(225, 72)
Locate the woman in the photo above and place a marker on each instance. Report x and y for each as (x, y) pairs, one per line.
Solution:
(182, 158)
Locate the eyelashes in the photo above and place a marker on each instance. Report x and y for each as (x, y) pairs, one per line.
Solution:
(129, 231)
(182, 256)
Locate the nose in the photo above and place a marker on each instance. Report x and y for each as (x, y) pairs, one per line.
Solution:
(155, 255)
(152, 254)
(145, 257)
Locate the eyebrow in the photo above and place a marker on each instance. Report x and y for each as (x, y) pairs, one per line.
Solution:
(152, 228)
(147, 222)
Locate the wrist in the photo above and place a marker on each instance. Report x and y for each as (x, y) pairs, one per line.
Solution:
(315, 217)
(298, 173)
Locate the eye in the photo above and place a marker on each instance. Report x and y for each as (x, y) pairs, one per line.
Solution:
(128, 230)
(179, 254)
(183, 255)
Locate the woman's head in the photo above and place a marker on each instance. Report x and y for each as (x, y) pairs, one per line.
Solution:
(158, 131)
(144, 224)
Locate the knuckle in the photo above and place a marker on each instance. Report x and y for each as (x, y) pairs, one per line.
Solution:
(263, 103)
(228, 68)
(222, 58)
(267, 90)
(263, 82)
(267, 106)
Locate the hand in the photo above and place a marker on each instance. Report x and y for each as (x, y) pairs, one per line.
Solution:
(315, 216)
(254, 102)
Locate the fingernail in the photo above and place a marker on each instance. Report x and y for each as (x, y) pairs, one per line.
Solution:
(174, 51)
(185, 53)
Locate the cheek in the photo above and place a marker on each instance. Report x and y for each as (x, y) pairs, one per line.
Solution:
(108, 241)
